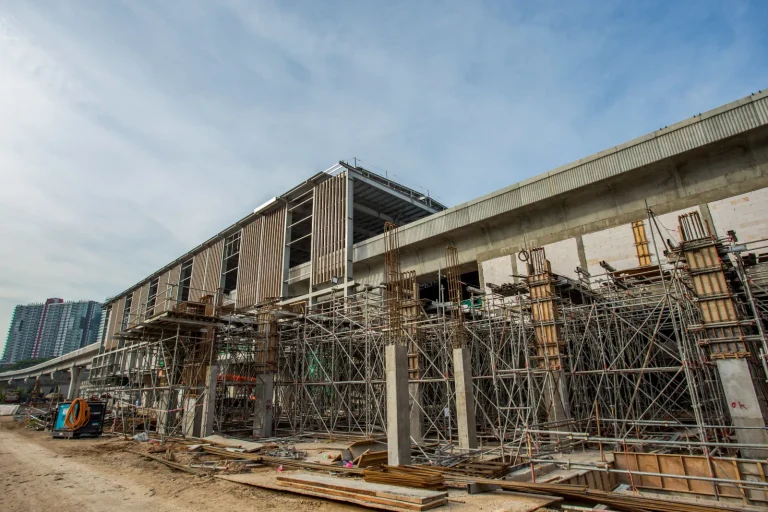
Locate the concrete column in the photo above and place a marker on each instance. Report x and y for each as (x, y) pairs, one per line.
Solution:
(209, 402)
(74, 383)
(191, 421)
(465, 398)
(262, 423)
(398, 417)
(417, 412)
(166, 414)
(744, 404)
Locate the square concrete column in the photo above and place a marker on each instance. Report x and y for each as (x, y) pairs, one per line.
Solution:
(465, 399)
(74, 383)
(262, 424)
(744, 405)
(190, 424)
(209, 402)
(166, 414)
(417, 412)
(398, 416)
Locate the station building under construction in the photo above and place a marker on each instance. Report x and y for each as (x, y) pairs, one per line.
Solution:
(609, 313)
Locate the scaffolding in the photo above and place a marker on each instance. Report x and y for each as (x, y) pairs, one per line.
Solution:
(620, 362)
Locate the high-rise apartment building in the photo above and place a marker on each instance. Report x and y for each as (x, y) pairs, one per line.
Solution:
(51, 329)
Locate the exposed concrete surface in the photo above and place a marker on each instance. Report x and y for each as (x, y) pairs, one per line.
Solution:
(398, 414)
(744, 405)
(465, 399)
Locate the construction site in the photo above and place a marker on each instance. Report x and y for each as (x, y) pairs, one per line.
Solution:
(595, 335)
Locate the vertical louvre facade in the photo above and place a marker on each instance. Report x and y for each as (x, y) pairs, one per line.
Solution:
(270, 275)
(248, 278)
(329, 229)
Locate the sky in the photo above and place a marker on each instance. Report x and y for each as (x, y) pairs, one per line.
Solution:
(132, 131)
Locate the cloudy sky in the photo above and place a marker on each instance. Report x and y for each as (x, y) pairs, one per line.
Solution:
(132, 131)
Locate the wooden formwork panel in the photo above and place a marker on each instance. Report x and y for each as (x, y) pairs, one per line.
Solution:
(641, 243)
(693, 466)
(248, 273)
(714, 301)
(544, 314)
(270, 276)
(329, 229)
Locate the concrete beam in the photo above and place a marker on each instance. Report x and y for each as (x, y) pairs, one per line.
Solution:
(373, 213)
(398, 417)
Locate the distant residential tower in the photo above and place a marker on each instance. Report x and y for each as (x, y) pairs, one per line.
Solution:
(51, 329)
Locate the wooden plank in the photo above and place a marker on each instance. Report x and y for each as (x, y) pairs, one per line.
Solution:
(248, 446)
(403, 505)
(418, 496)
(259, 481)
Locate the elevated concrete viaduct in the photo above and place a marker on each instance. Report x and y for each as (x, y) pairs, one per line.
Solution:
(710, 157)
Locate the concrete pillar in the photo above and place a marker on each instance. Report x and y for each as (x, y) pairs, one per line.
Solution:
(264, 392)
(744, 404)
(192, 419)
(398, 416)
(209, 401)
(166, 414)
(465, 398)
(74, 383)
(417, 412)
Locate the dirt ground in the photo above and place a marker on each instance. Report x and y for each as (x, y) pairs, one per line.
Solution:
(39, 473)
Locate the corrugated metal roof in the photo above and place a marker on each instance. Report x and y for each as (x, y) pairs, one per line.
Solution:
(725, 121)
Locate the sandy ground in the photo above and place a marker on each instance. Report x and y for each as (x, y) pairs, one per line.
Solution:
(40, 473)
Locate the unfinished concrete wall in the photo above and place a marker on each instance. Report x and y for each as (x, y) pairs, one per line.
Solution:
(747, 214)
(498, 270)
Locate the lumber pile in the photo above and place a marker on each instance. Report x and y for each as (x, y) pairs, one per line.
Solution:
(418, 477)
(369, 458)
(389, 497)
(480, 469)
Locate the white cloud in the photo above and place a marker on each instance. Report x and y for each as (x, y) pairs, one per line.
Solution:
(130, 132)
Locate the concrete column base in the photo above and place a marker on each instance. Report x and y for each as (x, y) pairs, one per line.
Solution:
(465, 399)
(398, 415)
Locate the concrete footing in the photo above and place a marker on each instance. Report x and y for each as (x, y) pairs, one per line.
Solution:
(398, 415)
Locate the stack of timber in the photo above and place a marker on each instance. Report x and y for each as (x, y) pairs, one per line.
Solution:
(387, 497)
(480, 469)
(418, 477)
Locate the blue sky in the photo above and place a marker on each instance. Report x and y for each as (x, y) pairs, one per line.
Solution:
(132, 131)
